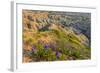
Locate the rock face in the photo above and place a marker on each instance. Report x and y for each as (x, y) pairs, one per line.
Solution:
(50, 33)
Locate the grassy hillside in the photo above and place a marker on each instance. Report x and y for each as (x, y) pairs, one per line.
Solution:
(52, 36)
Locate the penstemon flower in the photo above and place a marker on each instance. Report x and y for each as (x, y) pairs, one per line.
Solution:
(33, 48)
(57, 54)
(46, 46)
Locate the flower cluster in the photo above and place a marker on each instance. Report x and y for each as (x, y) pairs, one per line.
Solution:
(33, 49)
(57, 55)
(46, 47)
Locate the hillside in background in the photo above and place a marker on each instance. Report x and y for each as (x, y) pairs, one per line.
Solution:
(53, 36)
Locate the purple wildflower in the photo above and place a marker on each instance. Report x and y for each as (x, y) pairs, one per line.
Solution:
(57, 54)
(46, 46)
(33, 48)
